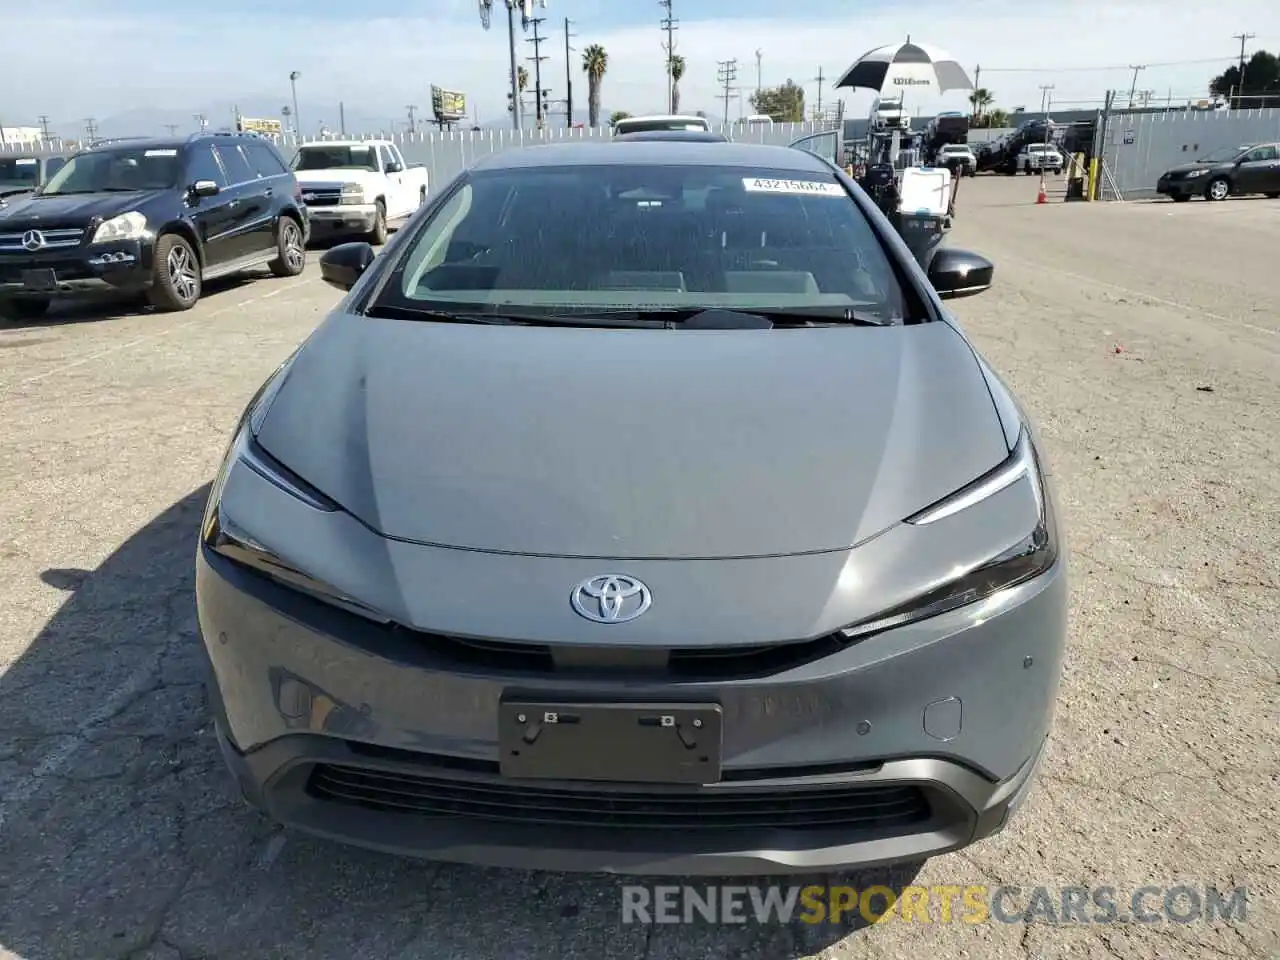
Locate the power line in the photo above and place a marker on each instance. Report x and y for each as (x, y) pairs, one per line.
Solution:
(726, 73)
(670, 25)
(1110, 69)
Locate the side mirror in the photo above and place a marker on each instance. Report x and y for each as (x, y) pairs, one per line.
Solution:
(343, 265)
(393, 167)
(959, 273)
(205, 188)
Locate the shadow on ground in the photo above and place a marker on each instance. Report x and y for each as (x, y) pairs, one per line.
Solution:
(113, 306)
(121, 836)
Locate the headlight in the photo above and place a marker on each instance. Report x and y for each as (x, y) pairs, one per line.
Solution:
(1196, 173)
(220, 534)
(127, 226)
(1025, 560)
(353, 193)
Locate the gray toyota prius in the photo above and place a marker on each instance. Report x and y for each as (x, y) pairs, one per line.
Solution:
(640, 509)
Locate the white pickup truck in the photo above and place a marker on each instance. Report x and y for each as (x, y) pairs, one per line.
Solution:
(357, 187)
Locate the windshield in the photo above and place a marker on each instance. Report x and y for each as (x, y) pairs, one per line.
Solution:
(1221, 156)
(647, 237)
(360, 157)
(644, 126)
(19, 171)
(117, 169)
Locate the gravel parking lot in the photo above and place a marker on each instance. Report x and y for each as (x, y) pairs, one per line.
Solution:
(1144, 336)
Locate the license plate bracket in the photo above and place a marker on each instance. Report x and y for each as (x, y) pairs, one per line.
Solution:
(40, 281)
(650, 742)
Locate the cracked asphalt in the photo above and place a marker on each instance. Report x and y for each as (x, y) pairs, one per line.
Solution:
(1146, 339)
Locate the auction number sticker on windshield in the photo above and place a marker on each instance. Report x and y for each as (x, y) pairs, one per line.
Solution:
(804, 188)
(162, 153)
(25, 162)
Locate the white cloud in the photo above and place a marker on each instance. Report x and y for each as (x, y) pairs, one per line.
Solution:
(91, 61)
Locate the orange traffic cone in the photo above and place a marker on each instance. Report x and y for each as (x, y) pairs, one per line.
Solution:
(1042, 197)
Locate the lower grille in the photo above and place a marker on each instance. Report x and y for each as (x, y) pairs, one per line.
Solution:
(875, 809)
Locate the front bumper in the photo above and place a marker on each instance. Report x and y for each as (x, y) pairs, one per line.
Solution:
(1193, 187)
(342, 219)
(913, 743)
(124, 267)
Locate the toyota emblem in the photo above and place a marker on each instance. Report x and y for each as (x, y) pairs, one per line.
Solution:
(611, 598)
(32, 240)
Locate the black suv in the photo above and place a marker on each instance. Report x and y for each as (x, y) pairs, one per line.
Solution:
(156, 216)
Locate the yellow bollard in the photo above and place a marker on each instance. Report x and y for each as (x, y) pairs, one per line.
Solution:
(1092, 193)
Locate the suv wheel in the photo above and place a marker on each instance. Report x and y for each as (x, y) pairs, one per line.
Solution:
(1219, 188)
(378, 235)
(293, 256)
(24, 308)
(175, 274)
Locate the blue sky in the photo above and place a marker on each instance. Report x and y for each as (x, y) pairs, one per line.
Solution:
(379, 55)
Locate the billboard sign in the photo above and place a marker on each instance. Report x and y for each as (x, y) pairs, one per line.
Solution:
(448, 106)
(258, 125)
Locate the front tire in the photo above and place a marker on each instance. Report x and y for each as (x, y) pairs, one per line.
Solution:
(292, 257)
(378, 235)
(24, 308)
(175, 274)
(1218, 189)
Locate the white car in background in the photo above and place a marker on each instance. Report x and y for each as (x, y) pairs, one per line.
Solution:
(357, 187)
(662, 122)
(959, 158)
(1040, 158)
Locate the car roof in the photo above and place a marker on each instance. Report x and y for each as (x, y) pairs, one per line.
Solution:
(657, 152)
(683, 118)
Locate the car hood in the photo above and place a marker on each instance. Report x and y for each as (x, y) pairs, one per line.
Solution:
(76, 208)
(1189, 167)
(633, 444)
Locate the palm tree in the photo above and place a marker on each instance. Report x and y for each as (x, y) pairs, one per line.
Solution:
(594, 63)
(980, 99)
(677, 71)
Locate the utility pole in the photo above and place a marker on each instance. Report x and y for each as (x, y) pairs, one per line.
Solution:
(670, 24)
(1145, 96)
(1133, 88)
(568, 76)
(1243, 38)
(817, 112)
(172, 128)
(91, 128)
(413, 121)
(44, 127)
(297, 117)
(203, 122)
(759, 71)
(537, 59)
(726, 73)
(342, 118)
(1046, 98)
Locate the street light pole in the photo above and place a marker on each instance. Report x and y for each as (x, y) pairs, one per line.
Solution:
(297, 120)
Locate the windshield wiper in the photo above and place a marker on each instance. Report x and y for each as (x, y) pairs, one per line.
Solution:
(506, 318)
(669, 318)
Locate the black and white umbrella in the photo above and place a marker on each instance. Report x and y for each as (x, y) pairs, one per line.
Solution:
(908, 66)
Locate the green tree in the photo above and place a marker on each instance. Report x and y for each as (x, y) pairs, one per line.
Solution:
(784, 104)
(980, 100)
(1261, 86)
(594, 63)
(522, 79)
(617, 115)
(677, 71)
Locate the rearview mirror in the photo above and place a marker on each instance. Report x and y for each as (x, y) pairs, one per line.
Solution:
(204, 188)
(393, 167)
(959, 273)
(342, 266)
